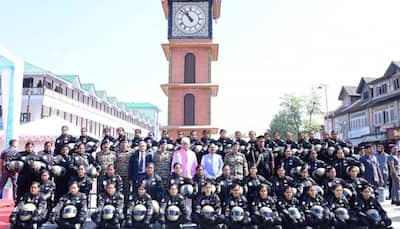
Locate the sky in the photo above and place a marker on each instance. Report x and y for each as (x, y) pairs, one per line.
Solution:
(268, 48)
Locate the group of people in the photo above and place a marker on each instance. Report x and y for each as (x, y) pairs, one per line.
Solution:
(265, 182)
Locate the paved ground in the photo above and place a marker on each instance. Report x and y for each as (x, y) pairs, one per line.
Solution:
(393, 213)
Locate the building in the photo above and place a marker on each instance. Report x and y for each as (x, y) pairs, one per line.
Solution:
(50, 100)
(190, 52)
(370, 111)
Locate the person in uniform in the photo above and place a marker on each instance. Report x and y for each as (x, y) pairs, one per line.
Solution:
(162, 162)
(63, 161)
(281, 181)
(199, 181)
(330, 181)
(372, 172)
(110, 208)
(312, 139)
(313, 164)
(340, 205)
(208, 211)
(6, 156)
(84, 181)
(25, 176)
(370, 211)
(252, 143)
(46, 190)
(30, 210)
(165, 138)
(341, 164)
(264, 211)
(252, 184)
(137, 139)
(177, 177)
(290, 143)
(224, 184)
(105, 157)
(290, 161)
(289, 210)
(85, 139)
(237, 214)
(269, 143)
(224, 143)
(109, 177)
(151, 182)
(394, 172)
(107, 137)
(206, 139)
(121, 167)
(262, 158)
(46, 155)
(63, 140)
(71, 209)
(173, 211)
(140, 209)
(316, 209)
(81, 157)
(239, 139)
(237, 162)
(121, 136)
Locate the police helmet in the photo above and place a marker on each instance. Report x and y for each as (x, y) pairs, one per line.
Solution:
(154, 148)
(320, 190)
(317, 211)
(295, 151)
(346, 151)
(242, 148)
(205, 148)
(318, 173)
(91, 171)
(198, 148)
(331, 150)
(294, 191)
(15, 166)
(294, 213)
(362, 168)
(207, 211)
(213, 189)
(237, 214)
(227, 148)
(156, 207)
(186, 190)
(267, 213)
(26, 212)
(139, 212)
(38, 166)
(58, 171)
(71, 145)
(347, 193)
(173, 213)
(69, 212)
(170, 146)
(318, 147)
(108, 212)
(374, 215)
(342, 214)
(295, 171)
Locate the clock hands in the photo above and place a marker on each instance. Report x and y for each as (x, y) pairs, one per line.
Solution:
(187, 15)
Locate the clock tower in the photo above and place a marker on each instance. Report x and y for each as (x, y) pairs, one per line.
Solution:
(190, 51)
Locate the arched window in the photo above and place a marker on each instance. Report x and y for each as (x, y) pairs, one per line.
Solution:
(189, 112)
(190, 68)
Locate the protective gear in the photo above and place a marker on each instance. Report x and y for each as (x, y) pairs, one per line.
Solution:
(139, 212)
(317, 147)
(237, 214)
(38, 166)
(108, 212)
(267, 213)
(320, 191)
(156, 207)
(294, 213)
(347, 193)
(69, 212)
(317, 211)
(346, 151)
(16, 166)
(374, 215)
(59, 171)
(207, 211)
(342, 214)
(173, 213)
(91, 171)
(26, 212)
(331, 150)
(318, 173)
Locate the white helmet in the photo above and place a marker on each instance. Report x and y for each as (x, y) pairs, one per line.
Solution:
(266, 212)
(318, 147)
(91, 171)
(319, 189)
(38, 165)
(331, 150)
(374, 214)
(69, 212)
(15, 166)
(26, 212)
(318, 173)
(294, 213)
(154, 148)
(346, 151)
(186, 190)
(342, 213)
(347, 193)
(170, 146)
(173, 213)
(198, 148)
(237, 214)
(156, 207)
(108, 212)
(317, 211)
(139, 212)
(58, 171)
(207, 211)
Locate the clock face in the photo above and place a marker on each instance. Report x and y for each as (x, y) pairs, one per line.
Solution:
(190, 18)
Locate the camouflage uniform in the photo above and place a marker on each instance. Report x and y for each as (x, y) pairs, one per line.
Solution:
(238, 164)
(121, 168)
(104, 159)
(162, 165)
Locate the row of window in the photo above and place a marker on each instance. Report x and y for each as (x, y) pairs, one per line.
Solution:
(381, 89)
(380, 117)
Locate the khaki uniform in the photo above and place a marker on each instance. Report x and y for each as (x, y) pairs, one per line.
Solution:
(238, 164)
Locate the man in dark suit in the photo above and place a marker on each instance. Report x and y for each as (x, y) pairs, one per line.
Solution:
(138, 163)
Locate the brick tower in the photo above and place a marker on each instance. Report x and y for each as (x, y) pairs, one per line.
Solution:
(190, 52)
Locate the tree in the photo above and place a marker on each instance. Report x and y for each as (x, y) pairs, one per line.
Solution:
(282, 124)
(293, 107)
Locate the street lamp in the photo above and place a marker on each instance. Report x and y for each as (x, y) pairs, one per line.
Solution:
(325, 86)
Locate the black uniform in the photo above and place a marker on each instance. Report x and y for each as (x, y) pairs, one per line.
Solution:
(79, 201)
(135, 142)
(86, 139)
(47, 190)
(264, 159)
(45, 157)
(362, 205)
(329, 183)
(223, 186)
(283, 206)
(105, 179)
(152, 185)
(341, 166)
(146, 201)
(206, 220)
(85, 159)
(38, 216)
(177, 201)
(179, 180)
(223, 144)
(199, 182)
(259, 220)
(117, 201)
(62, 181)
(26, 175)
(251, 185)
(62, 141)
(291, 162)
(312, 220)
(341, 202)
(280, 183)
(85, 183)
(240, 201)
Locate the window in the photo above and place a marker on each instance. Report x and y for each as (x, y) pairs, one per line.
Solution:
(365, 95)
(378, 117)
(358, 121)
(25, 117)
(27, 83)
(382, 89)
(396, 83)
(189, 109)
(190, 68)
